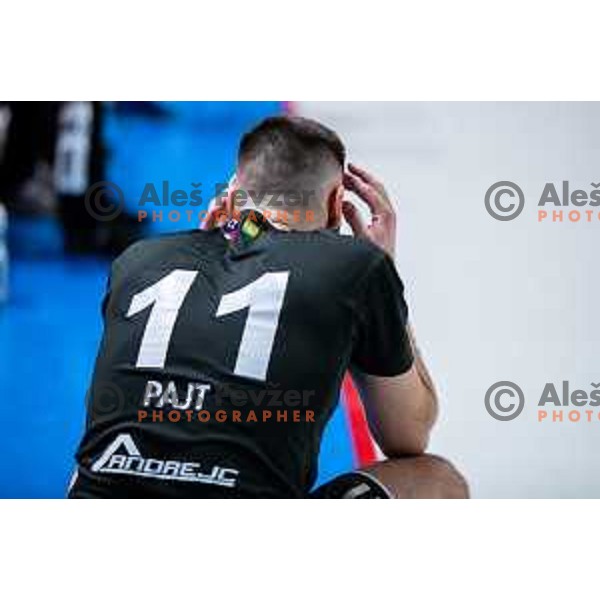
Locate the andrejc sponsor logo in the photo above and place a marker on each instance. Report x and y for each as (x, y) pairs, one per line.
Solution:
(122, 457)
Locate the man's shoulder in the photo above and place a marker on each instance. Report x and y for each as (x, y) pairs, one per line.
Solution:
(353, 251)
(151, 248)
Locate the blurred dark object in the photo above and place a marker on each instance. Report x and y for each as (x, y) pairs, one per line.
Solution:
(80, 159)
(52, 153)
(29, 129)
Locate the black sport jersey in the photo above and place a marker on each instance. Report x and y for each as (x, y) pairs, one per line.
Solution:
(221, 364)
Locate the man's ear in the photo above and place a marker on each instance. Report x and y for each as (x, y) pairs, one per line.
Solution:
(334, 207)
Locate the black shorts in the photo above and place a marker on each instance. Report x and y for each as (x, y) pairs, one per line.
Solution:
(357, 485)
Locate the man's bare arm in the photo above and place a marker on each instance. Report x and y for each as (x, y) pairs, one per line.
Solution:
(401, 410)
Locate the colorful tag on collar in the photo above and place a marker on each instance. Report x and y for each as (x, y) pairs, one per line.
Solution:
(248, 228)
(251, 230)
(231, 230)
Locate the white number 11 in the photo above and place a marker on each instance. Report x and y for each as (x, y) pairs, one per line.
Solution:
(264, 297)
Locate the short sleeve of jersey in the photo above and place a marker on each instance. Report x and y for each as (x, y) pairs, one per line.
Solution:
(382, 346)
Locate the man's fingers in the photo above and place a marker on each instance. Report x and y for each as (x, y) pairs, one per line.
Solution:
(217, 206)
(216, 209)
(367, 193)
(367, 178)
(354, 219)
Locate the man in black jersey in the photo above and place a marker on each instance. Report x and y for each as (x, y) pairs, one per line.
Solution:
(224, 348)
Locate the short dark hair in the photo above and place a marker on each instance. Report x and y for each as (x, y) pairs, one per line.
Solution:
(286, 150)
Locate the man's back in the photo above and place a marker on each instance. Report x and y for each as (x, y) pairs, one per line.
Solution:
(223, 362)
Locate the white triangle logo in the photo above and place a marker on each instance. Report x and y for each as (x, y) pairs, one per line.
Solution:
(124, 439)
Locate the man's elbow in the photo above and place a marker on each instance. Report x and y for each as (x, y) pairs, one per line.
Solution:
(413, 443)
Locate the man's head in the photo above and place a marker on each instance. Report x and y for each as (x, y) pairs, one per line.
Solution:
(300, 161)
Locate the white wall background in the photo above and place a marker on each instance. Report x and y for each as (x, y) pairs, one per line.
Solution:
(493, 300)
